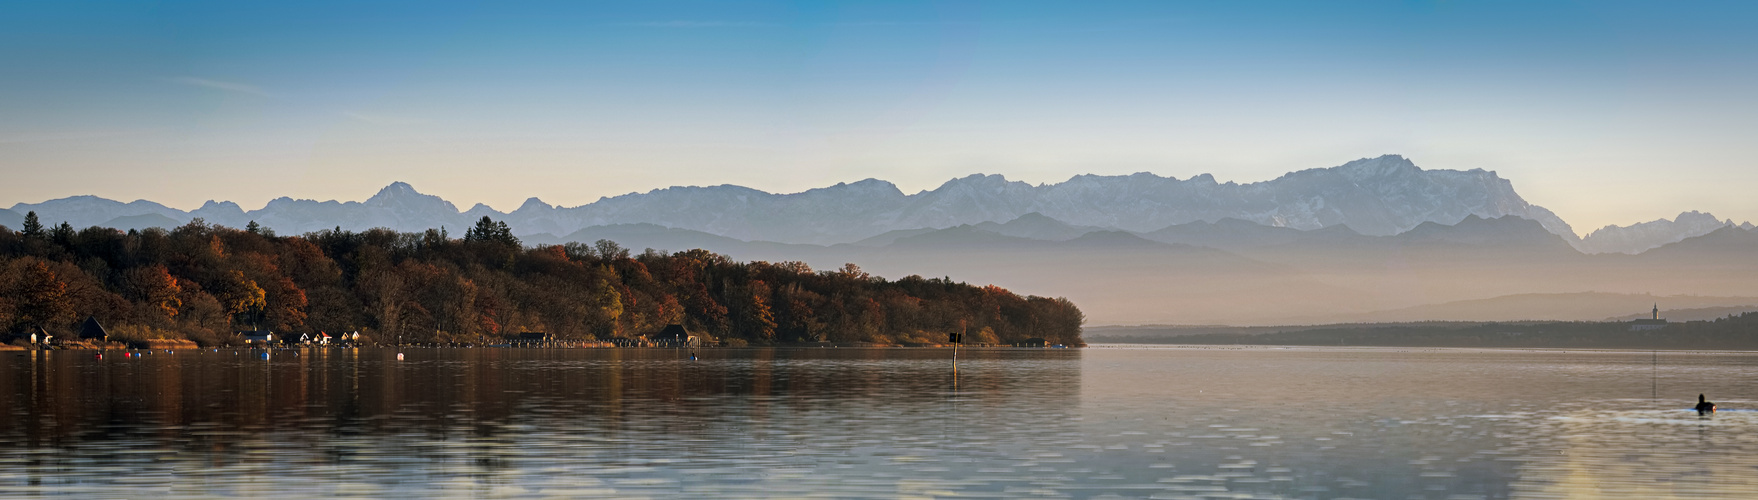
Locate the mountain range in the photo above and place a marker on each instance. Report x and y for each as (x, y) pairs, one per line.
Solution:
(1379, 196)
(1373, 239)
(1373, 196)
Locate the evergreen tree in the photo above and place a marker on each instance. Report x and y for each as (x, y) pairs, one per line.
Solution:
(489, 230)
(32, 226)
(62, 234)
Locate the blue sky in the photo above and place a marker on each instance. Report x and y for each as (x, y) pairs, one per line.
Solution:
(1606, 112)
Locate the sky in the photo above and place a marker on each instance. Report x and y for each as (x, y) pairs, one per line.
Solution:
(1606, 112)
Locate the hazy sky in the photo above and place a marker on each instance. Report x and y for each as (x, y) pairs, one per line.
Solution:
(1606, 112)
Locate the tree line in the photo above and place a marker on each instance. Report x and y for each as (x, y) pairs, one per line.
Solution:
(204, 282)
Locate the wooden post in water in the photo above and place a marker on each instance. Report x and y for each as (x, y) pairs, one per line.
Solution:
(956, 339)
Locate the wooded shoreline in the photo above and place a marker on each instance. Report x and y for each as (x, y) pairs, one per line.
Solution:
(207, 284)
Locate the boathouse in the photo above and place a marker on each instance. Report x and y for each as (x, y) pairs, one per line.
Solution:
(91, 330)
(674, 336)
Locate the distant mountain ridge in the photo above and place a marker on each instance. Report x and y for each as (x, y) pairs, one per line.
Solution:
(1380, 196)
(1375, 196)
(10, 218)
(1642, 236)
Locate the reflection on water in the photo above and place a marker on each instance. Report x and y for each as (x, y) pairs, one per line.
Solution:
(878, 423)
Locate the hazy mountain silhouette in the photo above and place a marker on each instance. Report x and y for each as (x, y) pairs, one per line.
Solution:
(1038, 227)
(1640, 237)
(1502, 233)
(1721, 246)
(137, 222)
(1236, 234)
(224, 213)
(86, 211)
(11, 219)
(1376, 196)
(889, 237)
(966, 237)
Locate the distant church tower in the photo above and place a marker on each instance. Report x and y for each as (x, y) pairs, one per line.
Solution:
(1653, 323)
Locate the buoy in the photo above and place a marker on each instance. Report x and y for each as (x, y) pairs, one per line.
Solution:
(399, 356)
(100, 355)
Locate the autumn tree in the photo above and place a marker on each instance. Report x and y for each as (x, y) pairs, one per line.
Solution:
(155, 287)
(40, 296)
(238, 295)
(610, 250)
(797, 316)
(608, 308)
(757, 320)
(284, 303)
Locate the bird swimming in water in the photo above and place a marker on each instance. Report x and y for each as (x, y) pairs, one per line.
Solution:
(1704, 407)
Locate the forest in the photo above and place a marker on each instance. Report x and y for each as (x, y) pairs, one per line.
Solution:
(204, 283)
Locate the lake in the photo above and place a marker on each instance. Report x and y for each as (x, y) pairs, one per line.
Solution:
(1103, 422)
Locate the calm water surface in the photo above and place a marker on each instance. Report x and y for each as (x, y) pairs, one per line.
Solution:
(1106, 422)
